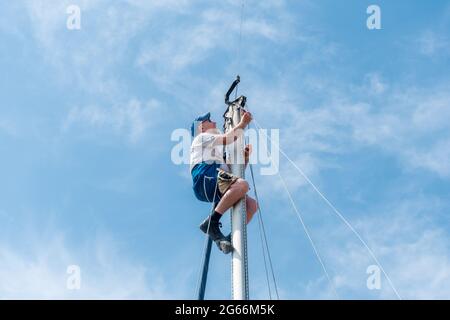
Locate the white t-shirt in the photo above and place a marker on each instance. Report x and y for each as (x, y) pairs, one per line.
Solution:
(203, 149)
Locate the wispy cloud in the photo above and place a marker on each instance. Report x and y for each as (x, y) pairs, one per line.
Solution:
(132, 119)
(40, 272)
(404, 121)
(433, 44)
(410, 244)
(173, 58)
(81, 61)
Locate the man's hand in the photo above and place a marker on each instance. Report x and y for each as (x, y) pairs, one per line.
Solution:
(246, 118)
(247, 152)
(237, 131)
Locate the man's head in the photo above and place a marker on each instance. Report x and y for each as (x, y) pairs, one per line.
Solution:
(203, 124)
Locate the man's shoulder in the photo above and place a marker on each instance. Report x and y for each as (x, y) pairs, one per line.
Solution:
(205, 137)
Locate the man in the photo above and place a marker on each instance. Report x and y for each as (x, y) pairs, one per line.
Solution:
(211, 177)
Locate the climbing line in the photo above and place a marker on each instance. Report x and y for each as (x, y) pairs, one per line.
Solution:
(265, 259)
(336, 211)
(238, 49)
(240, 37)
(264, 240)
(319, 258)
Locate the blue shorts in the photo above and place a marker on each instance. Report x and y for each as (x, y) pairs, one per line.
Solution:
(204, 178)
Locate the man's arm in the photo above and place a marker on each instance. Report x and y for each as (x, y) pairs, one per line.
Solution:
(236, 132)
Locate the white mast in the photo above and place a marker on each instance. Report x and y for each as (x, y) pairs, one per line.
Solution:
(239, 266)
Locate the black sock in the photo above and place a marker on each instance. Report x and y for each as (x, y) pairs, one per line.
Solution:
(216, 216)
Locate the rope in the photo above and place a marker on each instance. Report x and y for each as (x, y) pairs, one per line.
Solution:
(337, 213)
(238, 54)
(264, 258)
(264, 240)
(309, 237)
(240, 37)
(306, 231)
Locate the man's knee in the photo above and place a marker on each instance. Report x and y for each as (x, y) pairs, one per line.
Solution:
(241, 187)
(244, 186)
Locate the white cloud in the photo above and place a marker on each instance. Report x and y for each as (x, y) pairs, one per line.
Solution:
(410, 124)
(216, 29)
(40, 272)
(88, 58)
(408, 241)
(433, 44)
(407, 122)
(211, 37)
(375, 83)
(435, 158)
(132, 119)
(169, 57)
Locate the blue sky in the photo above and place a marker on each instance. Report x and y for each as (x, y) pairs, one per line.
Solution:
(86, 118)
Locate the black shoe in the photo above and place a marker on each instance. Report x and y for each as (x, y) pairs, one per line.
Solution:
(224, 245)
(214, 229)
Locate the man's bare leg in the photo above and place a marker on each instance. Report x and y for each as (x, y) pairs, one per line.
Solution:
(236, 192)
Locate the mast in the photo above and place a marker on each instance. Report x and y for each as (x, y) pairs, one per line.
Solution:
(235, 157)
